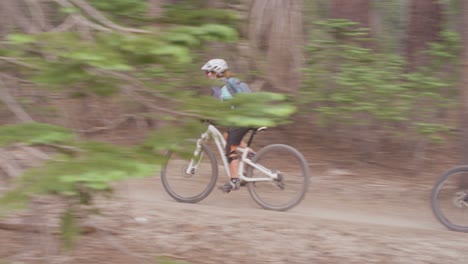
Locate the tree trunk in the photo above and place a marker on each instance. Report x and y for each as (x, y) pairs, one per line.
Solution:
(27, 16)
(11, 17)
(425, 24)
(356, 10)
(359, 11)
(276, 34)
(215, 3)
(155, 8)
(464, 83)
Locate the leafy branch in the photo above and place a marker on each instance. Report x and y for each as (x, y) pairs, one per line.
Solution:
(76, 19)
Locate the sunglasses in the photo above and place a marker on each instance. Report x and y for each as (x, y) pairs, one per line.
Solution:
(210, 73)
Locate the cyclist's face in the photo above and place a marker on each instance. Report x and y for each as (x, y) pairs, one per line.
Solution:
(210, 74)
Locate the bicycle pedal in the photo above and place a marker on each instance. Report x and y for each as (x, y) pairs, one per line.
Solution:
(223, 190)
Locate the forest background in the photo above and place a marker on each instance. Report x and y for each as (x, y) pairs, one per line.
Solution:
(93, 92)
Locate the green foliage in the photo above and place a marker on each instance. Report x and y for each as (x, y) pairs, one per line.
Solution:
(245, 109)
(169, 260)
(206, 32)
(159, 64)
(102, 165)
(188, 13)
(128, 10)
(170, 136)
(76, 63)
(446, 52)
(257, 109)
(78, 177)
(20, 38)
(33, 133)
(434, 131)
(69, 229)
(351, 85)
(13, 201)
(393, 23)
(214, 32)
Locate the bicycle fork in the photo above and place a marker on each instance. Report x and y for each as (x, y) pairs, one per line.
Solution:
(195, 161)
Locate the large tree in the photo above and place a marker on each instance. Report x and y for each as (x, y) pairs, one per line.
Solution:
(464, 83)
(356, 10)
(424, 26)
(276, 34)
(359, 11)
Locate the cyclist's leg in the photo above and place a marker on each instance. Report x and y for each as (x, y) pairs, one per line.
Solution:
(251, 152)
(233, 140)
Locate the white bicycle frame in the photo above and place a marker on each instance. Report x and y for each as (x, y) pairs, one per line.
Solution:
(215, 134)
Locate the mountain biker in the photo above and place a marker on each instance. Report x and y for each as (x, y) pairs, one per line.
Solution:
(218, 69)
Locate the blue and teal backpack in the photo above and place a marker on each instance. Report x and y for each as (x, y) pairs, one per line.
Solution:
(232, 87)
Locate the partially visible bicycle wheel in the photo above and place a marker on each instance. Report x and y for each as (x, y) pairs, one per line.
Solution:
(450, 199)
(189, 187)
(291, 187)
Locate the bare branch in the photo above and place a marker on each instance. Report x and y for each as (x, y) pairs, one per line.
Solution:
(17, 62)
(13, 105)
(63, 148)
(37, 153)
(37, 14)
(6, 76)
(9, 166)
(129, 79)
(102, 19)
(69, 23)
(143, 100)
(93, 25)
(149, 104)
(64, 3)
(113, 125)
(76, 19)
(85, 30)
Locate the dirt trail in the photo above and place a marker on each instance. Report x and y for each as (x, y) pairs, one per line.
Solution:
(338, 222)
(343, 219)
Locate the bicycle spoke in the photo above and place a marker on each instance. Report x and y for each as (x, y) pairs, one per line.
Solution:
(192, 186)
(449, 200)
(290, 187)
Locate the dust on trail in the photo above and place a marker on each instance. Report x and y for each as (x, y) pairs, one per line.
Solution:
(336, 223)
(342, 220)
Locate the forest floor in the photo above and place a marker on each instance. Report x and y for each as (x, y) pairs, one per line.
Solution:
(354, 214)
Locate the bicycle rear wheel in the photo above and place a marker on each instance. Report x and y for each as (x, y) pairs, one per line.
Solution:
(291, 187)
(189, 187)
(450, 199)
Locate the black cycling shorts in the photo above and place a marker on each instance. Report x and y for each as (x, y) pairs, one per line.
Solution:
(234, 138)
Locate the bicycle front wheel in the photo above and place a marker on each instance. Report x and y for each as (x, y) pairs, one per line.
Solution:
(450, 199)
(293, 177)
(194, 186)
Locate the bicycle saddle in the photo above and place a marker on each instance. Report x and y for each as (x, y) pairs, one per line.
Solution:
(258, 129)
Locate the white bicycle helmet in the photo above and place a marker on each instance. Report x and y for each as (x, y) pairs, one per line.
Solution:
(215, 65)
